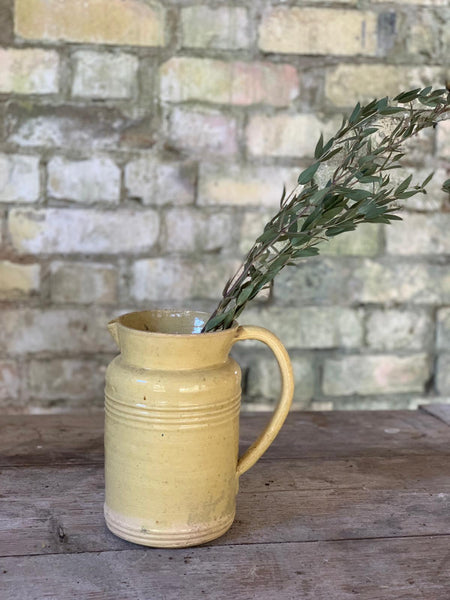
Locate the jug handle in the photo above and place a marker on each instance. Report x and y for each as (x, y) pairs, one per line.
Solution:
(257, 449)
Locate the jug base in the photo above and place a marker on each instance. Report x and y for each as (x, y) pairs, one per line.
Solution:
(123, 528)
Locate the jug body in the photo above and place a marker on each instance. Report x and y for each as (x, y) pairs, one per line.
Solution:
(172, 401)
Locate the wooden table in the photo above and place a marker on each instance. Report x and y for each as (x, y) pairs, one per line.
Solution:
(344, 505)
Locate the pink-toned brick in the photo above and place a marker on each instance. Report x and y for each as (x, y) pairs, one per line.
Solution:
(285, 134)
(185, 78)
(203, 131)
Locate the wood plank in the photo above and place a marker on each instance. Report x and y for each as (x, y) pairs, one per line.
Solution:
(60, 510)
(78, 439)
(440, 411)
(50, 439)
(403, 569)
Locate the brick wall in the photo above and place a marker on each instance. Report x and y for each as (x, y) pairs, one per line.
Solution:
(142, 147)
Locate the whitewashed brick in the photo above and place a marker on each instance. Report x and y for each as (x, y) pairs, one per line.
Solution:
(399, 330)
(159, 183)
(420, 234)
(318, 31)
(50, 330)
(443, 374)
(203, 132)
(19, 178)
(234, 185)
(94, 180)
(285, 134)
(104, 75)
(311, 327)
(28, 71)
(242, 83)
(443, 329)
(177, 279)
(18, 280)
(264, 379)
(381, 374)
(225, 27)
(83, 283)
(190, 230)
(9, 381)
(364, 241)
(392, 282)
(65, 230)
(347, 84)
(443, 139)
(56, 381)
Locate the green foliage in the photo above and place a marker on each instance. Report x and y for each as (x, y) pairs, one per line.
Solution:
(365, 149)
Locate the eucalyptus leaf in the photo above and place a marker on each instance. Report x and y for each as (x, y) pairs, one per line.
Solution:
(315, 212)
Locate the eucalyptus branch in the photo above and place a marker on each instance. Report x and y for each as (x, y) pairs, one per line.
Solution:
(349, 183)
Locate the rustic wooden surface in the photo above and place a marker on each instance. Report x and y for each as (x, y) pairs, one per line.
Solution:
(343, 505)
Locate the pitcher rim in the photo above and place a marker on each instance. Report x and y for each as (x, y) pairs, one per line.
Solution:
(174, 312)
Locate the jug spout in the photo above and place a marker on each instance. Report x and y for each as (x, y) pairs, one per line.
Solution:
(113, 330)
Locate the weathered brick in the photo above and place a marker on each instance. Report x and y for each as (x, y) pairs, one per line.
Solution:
(443, 329)
(190, 230)
(364, 241)
(264, 381)
(9, 382)
(314, 281)
(58, 381)
(129, 22)
(203, 132)
(346, 84)
(320, 31)
(83, 283)
(19, 178)
(177, 279)
(52, 331)
(422, 39)
(234, 185)
(18, 280)
(69, 127)
(443, 139)
(381, 374)
(252, 224)
(399, 330)
(225, 27)
(443, 374)
(399, 281)
(104, 75)
(7, 21)
(420, 234)
(65, 230)
(93, 180)
(160, 183)
(418, 2)
(435, 197)
(242, 83)
(310, 327)
(285, 134)
(28, 71)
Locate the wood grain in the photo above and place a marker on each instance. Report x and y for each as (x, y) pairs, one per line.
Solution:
(78, 439)
(60, 510)
(343, 505)
(404, 569)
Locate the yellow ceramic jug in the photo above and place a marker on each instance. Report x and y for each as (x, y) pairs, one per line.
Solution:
(172, 402)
